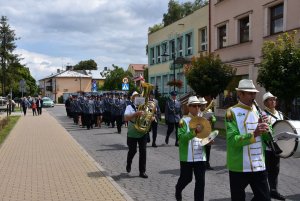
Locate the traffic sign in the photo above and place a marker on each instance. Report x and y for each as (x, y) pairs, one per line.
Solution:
(125, 80)
(125, 87)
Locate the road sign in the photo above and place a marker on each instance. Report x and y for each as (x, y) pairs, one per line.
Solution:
(125, 80)
(125, 87)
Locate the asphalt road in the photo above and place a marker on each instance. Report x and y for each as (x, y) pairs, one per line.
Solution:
(109, 149)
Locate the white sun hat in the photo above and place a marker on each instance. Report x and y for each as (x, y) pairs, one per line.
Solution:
(268, 95)
(246, 85)
(202, 100)
(193, 100)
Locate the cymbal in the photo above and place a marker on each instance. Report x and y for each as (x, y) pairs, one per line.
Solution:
(204, 123)
(211, 137)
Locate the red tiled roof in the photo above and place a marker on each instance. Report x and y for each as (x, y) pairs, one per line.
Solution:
(139, 67)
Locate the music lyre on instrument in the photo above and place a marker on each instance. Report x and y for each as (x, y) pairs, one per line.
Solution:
(273, 145)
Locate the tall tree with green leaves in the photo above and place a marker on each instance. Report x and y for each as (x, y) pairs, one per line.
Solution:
(86, 65)
(176, 11)
(208, 76)
(7, 46)
(115, 79)
(279, 71)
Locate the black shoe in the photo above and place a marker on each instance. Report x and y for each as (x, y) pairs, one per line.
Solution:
(128, 168)
(176, 144)
(167, 140)
(277, 196)
(178, 196)
(154, 145)
(208, 167)
(143, 175)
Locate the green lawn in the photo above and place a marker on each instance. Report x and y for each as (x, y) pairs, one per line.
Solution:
(7, 128)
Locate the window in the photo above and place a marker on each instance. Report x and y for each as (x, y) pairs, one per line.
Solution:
(203, 39)
(152, 58)
(158, 53)
(244, 29)
(222, 36)
(179, 45)
(276, 19)
(164, 48)
(172, 49)
(189, 47)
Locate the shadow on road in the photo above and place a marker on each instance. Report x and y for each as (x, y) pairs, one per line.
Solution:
(175, 172)
(114, 147)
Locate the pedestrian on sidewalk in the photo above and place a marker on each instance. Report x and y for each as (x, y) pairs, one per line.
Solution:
(135, 137)
(24, 104)
(39, 105)
(33, 107)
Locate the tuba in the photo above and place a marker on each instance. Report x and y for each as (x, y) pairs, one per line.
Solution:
(143, 122)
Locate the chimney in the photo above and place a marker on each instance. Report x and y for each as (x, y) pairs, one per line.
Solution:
(105, 68)
(69, 67)
(58, 70)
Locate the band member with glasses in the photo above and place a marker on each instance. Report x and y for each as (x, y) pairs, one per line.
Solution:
(272, 160)
(134, 137)
(191, 153)
(245, 136)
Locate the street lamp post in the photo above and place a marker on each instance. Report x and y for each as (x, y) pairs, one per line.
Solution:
(178, 60)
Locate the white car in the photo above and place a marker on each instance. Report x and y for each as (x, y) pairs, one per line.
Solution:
(48, 102)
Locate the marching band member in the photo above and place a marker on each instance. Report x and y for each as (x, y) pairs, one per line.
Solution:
(134, 138)
(245, 136)
(192, 154)
(154, 123)
(272, 160)
(212, 120)
(172, 116)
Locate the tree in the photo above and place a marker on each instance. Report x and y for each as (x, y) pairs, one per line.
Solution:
(114, 80)
(7, 38)
(86, 65)
(208, 76)
(279, 71)
(176, 11)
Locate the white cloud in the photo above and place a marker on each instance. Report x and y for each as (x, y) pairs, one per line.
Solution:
(110, 32)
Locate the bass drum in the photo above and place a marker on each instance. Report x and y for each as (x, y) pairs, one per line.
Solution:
(289, 146)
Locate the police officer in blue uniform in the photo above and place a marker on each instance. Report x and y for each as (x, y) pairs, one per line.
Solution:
(173, 115)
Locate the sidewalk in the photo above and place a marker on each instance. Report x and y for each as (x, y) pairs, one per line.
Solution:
(39, 160)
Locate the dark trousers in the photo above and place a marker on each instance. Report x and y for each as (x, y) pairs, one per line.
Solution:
(75, 117)
(34, 112)
(273, 167)
(258, 183)
(132, 146)
(154, 131)
(186, 175)
(39, 110)
(170, 130)
(88, 118)
(207, 151)
(119, 121)
(24, 110)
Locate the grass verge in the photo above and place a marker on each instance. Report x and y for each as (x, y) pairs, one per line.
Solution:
(8, 127)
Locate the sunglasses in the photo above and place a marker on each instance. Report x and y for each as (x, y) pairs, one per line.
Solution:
(195, 106)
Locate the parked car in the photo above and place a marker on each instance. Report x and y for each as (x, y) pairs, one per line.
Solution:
(3, 103)
(48, 102)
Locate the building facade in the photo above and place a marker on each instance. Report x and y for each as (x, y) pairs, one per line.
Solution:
(239, 29)
(184, 38)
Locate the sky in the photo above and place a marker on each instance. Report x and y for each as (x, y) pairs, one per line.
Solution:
(56, 33)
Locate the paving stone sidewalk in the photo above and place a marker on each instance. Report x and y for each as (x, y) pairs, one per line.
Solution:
(39, 160)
